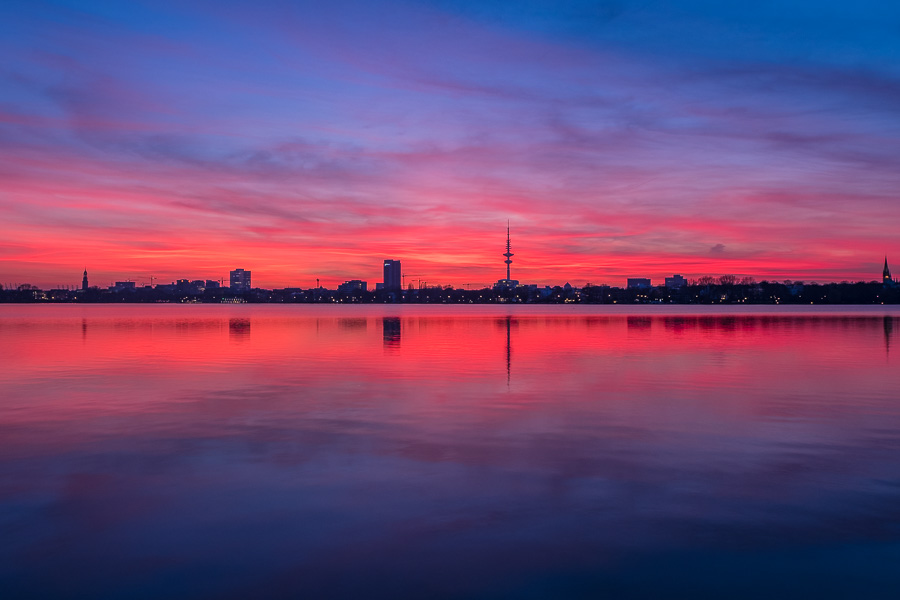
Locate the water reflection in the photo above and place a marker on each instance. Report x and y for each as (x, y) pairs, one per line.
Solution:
(508, 351)
(506, 324)
(238, 329)
(675, 456)
(354, 323)
(391, 332)
(888, 332)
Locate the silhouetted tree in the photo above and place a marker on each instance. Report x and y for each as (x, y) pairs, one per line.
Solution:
(727, 280)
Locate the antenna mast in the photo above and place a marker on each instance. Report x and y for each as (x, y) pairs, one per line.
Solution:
(507, 254)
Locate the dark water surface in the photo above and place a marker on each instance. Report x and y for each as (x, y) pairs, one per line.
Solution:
(433, 452)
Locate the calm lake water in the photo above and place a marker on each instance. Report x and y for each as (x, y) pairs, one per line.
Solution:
(449, 452)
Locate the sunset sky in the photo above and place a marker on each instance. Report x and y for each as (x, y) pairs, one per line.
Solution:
(314, 139)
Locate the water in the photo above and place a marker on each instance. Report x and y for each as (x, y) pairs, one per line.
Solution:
(447, 452)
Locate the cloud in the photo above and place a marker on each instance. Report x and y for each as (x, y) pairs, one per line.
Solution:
(350, 132)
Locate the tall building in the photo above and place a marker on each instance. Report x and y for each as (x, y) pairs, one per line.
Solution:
(392, 281)
(354, 285)
(508, 282)
(675, 282)
(84, 281)
(240, 280)
(886, 275)
(641, 283)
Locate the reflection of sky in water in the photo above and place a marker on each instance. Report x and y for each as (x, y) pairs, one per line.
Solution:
(386, 451)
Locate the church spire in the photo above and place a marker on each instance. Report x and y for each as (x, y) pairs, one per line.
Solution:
(886, 274)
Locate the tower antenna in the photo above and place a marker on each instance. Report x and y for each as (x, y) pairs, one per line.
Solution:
(507, 254)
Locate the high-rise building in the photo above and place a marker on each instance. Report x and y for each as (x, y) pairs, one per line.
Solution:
(675, 282)
(392, 281)
(240, 280)
(354, 285)
(641, 283)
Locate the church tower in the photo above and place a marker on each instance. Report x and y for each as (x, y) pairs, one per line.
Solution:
(886, 275)
(84, 281)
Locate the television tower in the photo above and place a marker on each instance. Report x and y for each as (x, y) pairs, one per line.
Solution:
(507, 254)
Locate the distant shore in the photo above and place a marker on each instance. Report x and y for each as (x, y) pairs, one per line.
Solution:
(753, 293)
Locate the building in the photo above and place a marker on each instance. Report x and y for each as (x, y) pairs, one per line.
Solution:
(354, 285)
(392, 275)
(675, 282)
(186, 286)
(640, 283)
(240, 280)
(211, 284)
(509, 282)
(886, 275)
(123, 285)
(84, 280)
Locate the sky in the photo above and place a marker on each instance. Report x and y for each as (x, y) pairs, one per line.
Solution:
(305, 140)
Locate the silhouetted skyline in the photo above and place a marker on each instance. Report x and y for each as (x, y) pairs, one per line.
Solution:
(309, 140)
(240, 283)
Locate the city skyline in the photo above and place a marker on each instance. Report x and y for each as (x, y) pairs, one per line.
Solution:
(393, 278)
(310, 141)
